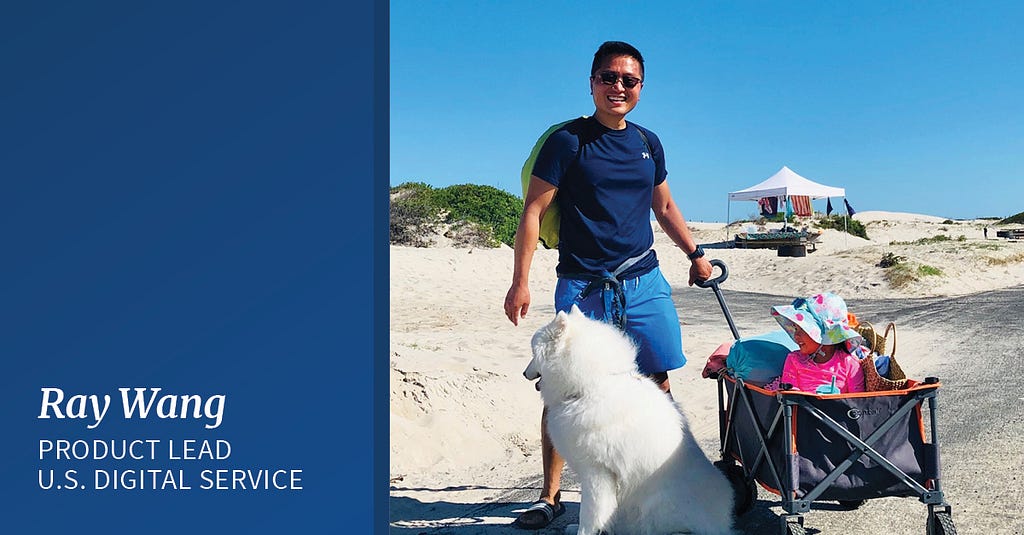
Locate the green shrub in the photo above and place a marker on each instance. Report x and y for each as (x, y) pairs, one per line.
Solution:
(488, 206)
(902, 274)
(1018, 218)
(778, 217)
(938, 238)
(844, 223)
(412, 188)
(414, 215)
(478, 215)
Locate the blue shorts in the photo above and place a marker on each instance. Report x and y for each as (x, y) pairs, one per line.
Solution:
(651, 318)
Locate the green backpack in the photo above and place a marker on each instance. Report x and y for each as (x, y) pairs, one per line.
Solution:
(552, 218)
(549, 223)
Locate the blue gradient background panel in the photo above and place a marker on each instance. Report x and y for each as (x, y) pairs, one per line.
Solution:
(186, 205)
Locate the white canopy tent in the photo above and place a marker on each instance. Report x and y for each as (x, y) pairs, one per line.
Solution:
(784, 183)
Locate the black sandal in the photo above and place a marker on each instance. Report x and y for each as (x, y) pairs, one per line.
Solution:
(540, 514)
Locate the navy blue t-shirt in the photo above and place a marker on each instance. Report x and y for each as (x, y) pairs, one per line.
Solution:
(605, 180)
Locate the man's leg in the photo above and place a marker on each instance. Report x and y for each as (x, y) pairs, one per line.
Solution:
(566, 293)
(553, 463)
(653, 323)
(661, 379)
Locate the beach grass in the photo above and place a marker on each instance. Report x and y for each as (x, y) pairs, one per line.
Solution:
(901, 275)
(939, 238)
(1012, 259)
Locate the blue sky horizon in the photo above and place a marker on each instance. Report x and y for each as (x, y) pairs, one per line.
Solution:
(910, 108)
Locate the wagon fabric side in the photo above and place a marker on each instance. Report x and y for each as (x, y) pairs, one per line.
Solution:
(839, 447)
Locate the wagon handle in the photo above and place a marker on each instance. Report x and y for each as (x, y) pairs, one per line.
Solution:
(713, 284)
(717, 280)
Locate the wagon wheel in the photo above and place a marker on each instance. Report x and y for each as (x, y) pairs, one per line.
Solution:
(795, 529)
(941, 524)
(793, 526)
(745, 492)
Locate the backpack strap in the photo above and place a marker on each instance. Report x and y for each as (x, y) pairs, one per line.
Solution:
(643, 136)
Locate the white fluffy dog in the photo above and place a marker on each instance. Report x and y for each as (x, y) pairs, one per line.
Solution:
(640, 469)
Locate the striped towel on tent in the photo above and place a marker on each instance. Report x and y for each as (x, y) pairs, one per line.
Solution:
(801, 205)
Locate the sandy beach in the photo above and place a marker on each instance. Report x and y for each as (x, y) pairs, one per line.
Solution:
(465, 424)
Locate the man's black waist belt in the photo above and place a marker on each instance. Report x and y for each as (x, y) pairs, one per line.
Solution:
(610, 284)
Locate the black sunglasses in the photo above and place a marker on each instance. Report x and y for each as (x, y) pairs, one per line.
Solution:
(610, 78)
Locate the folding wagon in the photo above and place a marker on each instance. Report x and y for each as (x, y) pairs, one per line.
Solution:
(807, 447)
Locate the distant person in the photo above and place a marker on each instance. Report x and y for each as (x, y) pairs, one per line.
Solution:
(820, 326)
(985, 231)
(609, 175)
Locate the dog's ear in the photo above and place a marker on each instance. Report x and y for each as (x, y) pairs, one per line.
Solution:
(562, 319)
(574, 311)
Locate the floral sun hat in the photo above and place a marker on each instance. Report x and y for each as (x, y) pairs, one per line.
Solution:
(823, 317)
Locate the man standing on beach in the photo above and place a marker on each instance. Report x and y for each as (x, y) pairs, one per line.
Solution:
(609, 175)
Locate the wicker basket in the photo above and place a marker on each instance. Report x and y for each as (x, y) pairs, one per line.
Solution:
(875, 342)
(896, 379)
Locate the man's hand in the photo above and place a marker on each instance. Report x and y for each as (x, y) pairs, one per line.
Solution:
(517, 302)
(700, 269)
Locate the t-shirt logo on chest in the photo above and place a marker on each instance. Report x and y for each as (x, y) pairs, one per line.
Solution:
(645, 155)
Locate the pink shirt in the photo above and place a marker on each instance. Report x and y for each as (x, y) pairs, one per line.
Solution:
(806, 375)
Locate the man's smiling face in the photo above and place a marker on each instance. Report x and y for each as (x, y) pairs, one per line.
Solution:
(613, 102)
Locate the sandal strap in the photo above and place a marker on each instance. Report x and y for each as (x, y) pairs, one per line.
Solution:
(544, 507)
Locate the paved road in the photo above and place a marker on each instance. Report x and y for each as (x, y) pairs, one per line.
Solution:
(980, 411)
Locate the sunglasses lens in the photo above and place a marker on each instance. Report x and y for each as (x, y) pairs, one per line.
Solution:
(609, 78)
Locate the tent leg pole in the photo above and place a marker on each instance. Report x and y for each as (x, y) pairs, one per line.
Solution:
(727, 207)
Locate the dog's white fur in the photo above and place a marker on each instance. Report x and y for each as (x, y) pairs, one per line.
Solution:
(641, 470)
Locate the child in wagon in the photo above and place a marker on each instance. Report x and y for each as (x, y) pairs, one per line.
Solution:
(825, 361)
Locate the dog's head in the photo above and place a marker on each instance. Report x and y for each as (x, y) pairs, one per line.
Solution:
(573, 352)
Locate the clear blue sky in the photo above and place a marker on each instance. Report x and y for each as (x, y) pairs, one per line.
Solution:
(912, 108)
